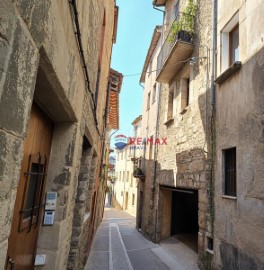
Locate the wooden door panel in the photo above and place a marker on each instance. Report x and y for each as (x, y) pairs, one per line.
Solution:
(23, 237)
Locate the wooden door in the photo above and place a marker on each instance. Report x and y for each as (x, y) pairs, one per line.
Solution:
(29, 204)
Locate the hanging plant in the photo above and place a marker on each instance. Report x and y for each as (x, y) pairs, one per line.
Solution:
(189, 15)
(185, 24)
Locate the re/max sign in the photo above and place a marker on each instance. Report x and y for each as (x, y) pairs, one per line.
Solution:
(151, 141)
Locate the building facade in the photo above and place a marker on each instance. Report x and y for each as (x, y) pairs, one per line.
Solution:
(115, 85)
(176, 193)
(239, 184)
(125, 186)
(54, 79)
(208, 180)
(149, 125)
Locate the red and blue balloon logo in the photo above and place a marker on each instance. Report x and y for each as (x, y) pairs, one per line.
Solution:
(121, 141)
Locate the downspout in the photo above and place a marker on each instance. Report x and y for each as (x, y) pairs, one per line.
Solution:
(105, 125)
(214, 48)
(75, 19)
(158, 106)
(212, 100)
(156, 135)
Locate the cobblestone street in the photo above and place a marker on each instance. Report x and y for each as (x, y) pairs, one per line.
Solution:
(119, 246)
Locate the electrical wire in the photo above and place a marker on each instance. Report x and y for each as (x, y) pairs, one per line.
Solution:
(74, 13)
(148, 72)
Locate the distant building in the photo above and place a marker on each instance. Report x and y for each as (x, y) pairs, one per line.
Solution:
(111, 177)
(112, 113)
(127, 160)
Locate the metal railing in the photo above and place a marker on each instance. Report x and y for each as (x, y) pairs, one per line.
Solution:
(182, 28)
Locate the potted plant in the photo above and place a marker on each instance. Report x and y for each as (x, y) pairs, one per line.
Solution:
(183, 27)
(137, 172)
(176, 27)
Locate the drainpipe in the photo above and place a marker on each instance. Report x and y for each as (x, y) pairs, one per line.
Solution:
(212, 99)
(158, 9)
(156, 134)
(158, 100)
(105, 126)
(214, 47)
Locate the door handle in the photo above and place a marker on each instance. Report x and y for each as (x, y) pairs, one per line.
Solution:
(11, 263)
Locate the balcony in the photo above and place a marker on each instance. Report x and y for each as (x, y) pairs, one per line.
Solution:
(177, 48)
(138, 173)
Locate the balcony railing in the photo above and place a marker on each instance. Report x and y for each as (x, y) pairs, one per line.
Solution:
(181, 30)
(138, 173)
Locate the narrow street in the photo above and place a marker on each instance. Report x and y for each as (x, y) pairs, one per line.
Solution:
(119, 246)
(158, 105)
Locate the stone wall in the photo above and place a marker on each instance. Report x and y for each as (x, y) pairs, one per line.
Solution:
(40, 62)
(185, 161)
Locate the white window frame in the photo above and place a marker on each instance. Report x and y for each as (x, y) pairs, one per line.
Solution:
(225, 54)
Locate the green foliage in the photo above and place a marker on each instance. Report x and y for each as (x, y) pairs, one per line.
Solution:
(189, 14)
(137, 171)
(176, 27)
(185, 22)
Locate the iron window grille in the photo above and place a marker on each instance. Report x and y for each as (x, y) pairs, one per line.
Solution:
(230, 188)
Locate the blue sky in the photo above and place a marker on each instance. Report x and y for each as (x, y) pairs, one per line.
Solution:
(136, 22)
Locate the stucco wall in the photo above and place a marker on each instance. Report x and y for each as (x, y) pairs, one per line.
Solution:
(239, 120)
(126, 186)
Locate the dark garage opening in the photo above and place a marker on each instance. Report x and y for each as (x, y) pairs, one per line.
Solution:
(184, 217)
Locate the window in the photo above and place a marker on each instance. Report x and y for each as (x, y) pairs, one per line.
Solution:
(33, 193)
(170, 103)
(230, 172)
(230, 43)
(154, 92)
(210, 243)
(131, 180)
(234, 45)
(133, 199)
(148, 102)
(185, 93)
(127, 179)
(136, 130)
(150, 147)
(150, 68)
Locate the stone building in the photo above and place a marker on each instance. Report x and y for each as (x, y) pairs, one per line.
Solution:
(127, 159)
(54, 85)
(176, 195)
(239, 149)
(149, 124)
(116, 80)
